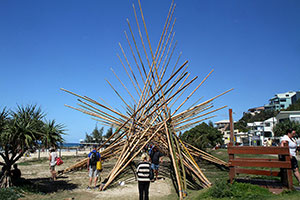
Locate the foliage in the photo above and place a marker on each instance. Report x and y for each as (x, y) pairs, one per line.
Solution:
(210, 123)
(52, 134)
(22, 130)
(281, 127)
(202, 136)
(222, 189)
(294, 106)
(3, 122)
(10, 193)
(95, 136)
(109, 132)
(241, 125)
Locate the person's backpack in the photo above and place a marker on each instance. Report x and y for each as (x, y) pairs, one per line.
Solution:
(93, 159)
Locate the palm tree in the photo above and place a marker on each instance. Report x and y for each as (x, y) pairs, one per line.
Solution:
(52, 134)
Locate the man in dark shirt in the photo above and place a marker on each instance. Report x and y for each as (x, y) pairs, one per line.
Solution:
(16, 172)
(156, 158)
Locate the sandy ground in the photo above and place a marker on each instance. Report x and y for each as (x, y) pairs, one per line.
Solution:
(74, 184)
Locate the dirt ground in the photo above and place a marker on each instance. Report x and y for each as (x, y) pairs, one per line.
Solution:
(73, 185)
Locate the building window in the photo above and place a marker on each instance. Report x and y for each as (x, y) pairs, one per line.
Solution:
(268, 134)
(267, 124)
(295, 119)
(282, 100)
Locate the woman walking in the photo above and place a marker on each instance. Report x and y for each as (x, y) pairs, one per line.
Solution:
(143, 176)
(52, 159)
(292, 143)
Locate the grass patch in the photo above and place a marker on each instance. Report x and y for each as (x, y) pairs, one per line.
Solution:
(222, 189)
(12, 193)
(33, 161)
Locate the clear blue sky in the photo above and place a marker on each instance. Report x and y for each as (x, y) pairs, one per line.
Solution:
(254, 47)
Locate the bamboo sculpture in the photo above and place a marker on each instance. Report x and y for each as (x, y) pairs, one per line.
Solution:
(154, 91)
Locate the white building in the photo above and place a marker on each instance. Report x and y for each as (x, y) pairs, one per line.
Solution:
(288, 115)
(260, 131)
(224, 127)
(282, 101)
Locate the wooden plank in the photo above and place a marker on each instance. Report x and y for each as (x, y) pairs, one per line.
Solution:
(257, 163)
(258, 150)
(231, 126)
(290, 179)
(231, 168)
(260, 159)
(257, 172)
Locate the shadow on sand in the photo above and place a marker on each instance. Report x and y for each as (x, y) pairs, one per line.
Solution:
(46, 185)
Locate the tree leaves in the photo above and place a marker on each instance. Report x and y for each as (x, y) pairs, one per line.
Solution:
(203, 136)
(281, 128)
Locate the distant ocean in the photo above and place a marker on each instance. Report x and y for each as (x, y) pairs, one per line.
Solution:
(70, 144)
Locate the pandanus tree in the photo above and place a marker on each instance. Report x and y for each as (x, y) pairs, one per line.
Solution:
(20, 131)
(52, 134)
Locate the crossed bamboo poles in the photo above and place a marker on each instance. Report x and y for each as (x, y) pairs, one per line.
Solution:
(155, 90)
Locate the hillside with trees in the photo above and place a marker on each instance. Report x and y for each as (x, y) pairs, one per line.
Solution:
(249, 118)
(203, 136)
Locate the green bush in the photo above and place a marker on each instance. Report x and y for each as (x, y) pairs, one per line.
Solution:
(222, 189)
(11, 193)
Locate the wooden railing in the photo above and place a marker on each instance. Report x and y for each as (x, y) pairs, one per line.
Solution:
(282, 161)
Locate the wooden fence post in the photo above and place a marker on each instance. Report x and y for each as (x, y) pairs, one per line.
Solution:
(231, 127)
(288, 174)
(231, 168)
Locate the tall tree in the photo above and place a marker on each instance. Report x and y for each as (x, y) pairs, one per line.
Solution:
(109, 132)
(95, 136)
(281, 127)
(88, 138)
(52, 134)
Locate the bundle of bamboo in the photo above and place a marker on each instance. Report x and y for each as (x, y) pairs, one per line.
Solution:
(150, 118)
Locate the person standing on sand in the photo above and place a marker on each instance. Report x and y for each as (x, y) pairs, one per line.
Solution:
(52, 163)
(156, 158)
(143, 177)
(94, 157)
(292, 143)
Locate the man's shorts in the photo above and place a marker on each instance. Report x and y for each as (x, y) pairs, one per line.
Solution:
(52, 168)
(93, 172)
(154, 166)
(294, 162)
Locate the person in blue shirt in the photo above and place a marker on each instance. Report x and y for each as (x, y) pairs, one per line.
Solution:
(94, 157)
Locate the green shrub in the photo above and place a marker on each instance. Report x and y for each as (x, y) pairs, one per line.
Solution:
(222, 189)
(11, 193)
(249, 191)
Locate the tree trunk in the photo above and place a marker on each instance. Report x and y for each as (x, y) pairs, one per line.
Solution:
(39, 153)
(5, 181)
